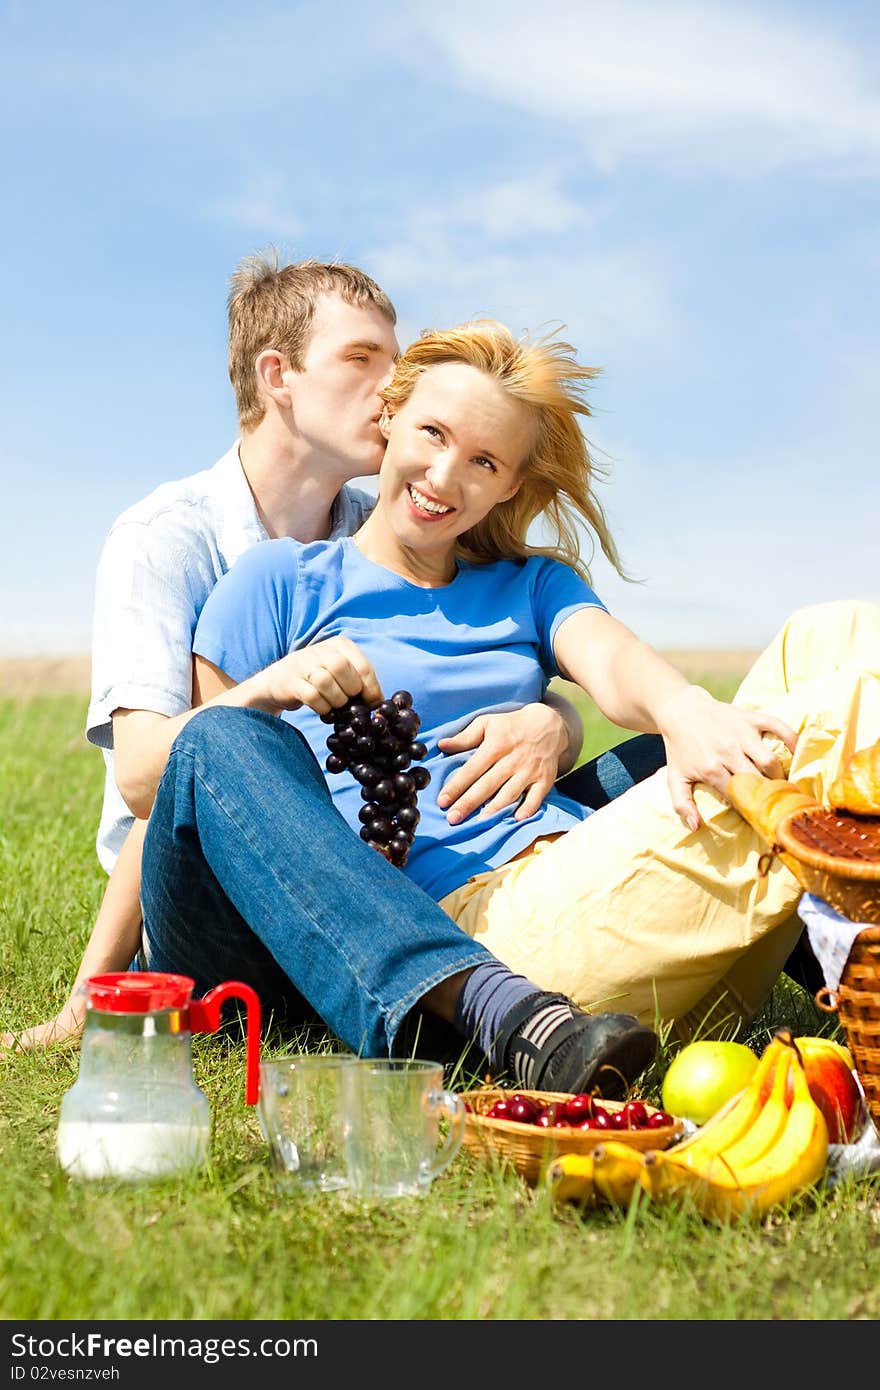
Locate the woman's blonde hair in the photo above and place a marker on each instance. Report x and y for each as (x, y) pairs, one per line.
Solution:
(558, 475)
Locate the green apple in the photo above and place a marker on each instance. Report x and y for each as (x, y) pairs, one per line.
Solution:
(704, 1075)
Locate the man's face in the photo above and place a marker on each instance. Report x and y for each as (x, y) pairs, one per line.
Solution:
(350, 355)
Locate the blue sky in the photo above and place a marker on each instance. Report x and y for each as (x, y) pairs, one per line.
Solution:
(688, 191)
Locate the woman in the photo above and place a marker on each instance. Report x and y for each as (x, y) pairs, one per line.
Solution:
(652, 904)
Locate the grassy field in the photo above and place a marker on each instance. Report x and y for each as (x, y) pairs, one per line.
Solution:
(224, 1245)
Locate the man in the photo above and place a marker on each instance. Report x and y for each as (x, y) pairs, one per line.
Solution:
(310, 346)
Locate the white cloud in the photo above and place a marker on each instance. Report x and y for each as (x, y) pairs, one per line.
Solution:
(684, 84)
(261, 206)
(521, 250)
(511, 208)
(600, 299)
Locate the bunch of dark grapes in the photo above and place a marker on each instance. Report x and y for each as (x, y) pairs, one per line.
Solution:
(377, 746)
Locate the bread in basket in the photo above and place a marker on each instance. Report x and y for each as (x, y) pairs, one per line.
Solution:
(857, 786)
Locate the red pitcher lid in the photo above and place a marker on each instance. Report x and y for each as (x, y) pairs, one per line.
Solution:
(138, 991)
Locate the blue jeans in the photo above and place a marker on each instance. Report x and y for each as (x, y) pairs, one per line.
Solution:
(250, 873)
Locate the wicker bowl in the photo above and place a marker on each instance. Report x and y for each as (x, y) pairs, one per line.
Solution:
(857, 1003)
(529, 1149)
(836, 857)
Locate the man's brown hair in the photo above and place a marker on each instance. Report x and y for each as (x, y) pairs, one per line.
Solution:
(272, 306)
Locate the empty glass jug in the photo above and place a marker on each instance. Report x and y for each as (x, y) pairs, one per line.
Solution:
(135, 1110)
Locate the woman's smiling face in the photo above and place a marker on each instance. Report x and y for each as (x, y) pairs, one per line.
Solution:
(456, 448)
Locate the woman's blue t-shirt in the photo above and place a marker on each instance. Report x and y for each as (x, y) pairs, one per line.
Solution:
(482, 644)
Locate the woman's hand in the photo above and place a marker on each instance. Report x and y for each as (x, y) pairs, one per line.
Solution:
(323, 676)
(516, 759)
(708, 741)
(66, 1026)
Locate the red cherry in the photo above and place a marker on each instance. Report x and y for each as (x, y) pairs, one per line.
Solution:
(659, 1120)
(619, 1119)
(499, 1110)
(545, 1120)
(636, 1114)
(554, 1111)
(580, 1107)
(522, 1109)
(600, 1121)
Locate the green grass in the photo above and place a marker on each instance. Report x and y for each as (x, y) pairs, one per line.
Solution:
(223, 1244)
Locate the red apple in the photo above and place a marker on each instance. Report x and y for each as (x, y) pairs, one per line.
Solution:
(832, 1084)
(834, 1087)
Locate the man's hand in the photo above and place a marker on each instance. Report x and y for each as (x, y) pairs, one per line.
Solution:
(515, 759)
(708, 741)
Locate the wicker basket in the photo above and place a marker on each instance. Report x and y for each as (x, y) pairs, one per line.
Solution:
(857, 1003)
(529, 1149)
(822, 849)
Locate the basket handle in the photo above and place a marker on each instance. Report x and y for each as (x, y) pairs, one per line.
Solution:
(826, 1000)
(765, 861)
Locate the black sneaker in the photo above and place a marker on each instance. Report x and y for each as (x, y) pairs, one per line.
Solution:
(548, 1044)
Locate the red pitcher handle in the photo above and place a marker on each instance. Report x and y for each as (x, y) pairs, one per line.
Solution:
(204, 1017)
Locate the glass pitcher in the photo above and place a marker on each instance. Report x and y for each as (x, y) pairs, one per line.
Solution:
(135, 1110)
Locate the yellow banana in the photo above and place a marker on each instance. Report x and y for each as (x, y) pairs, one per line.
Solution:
(570, 1178)
(767, 1129)
(617, 1171)
(788, 1167)
(733, 1120)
